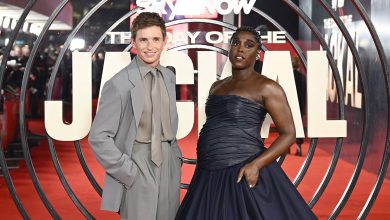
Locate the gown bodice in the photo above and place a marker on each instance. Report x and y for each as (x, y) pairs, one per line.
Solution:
(231, 133)
(229, 139)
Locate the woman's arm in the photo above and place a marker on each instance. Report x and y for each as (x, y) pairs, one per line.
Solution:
(275, 102)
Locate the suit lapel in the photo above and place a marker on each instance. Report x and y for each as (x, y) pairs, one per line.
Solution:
(137, 92)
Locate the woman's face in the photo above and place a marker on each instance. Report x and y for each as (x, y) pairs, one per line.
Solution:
(243, 50)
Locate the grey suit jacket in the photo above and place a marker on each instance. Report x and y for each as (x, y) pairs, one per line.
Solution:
(114, 129)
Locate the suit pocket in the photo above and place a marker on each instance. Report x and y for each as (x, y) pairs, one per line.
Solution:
(112, 194)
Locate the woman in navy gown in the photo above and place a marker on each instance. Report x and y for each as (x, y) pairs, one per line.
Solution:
(236, 177)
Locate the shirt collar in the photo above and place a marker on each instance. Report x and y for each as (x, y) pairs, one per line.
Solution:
(144, 68)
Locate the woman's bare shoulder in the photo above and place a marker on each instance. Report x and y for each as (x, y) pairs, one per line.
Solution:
(217, 83)
(267, 86)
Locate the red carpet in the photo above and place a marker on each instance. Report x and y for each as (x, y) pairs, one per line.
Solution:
(84, 191)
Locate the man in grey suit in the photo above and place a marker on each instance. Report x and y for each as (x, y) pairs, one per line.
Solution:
(133, 135)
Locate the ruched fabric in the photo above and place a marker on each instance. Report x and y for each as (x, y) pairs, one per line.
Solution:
(230, 139)
(231, 133)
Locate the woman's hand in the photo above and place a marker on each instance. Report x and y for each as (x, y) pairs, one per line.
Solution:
(251, 173)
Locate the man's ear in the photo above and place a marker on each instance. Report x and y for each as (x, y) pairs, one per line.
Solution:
(165, 41)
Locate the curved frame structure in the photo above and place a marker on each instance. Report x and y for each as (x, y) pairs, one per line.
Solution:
(313, 143)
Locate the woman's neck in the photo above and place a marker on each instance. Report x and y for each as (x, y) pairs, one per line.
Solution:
(241, 74)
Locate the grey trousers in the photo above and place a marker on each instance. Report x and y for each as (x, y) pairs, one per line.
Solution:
(155, 194)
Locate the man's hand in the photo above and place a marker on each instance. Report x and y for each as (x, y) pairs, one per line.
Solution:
(251, 173)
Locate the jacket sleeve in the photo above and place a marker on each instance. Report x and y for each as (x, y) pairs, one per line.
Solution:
(101, 138)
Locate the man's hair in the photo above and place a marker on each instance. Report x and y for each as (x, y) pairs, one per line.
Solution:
(248, 29)
(145, 20)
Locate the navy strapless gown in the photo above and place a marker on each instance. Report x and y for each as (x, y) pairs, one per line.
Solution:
(229, 139)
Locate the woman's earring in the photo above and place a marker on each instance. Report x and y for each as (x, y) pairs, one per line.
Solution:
(257, 57)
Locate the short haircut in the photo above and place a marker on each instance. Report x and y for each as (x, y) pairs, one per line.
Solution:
(248, 29)
(145, 20)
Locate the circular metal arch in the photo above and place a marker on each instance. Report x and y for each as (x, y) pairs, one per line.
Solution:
(3, 163)
(306, 164)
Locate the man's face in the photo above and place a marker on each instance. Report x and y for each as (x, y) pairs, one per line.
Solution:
(17, 51)
(26, 51)
(149, 43)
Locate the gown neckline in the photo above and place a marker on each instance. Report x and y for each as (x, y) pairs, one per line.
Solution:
(240, 97)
